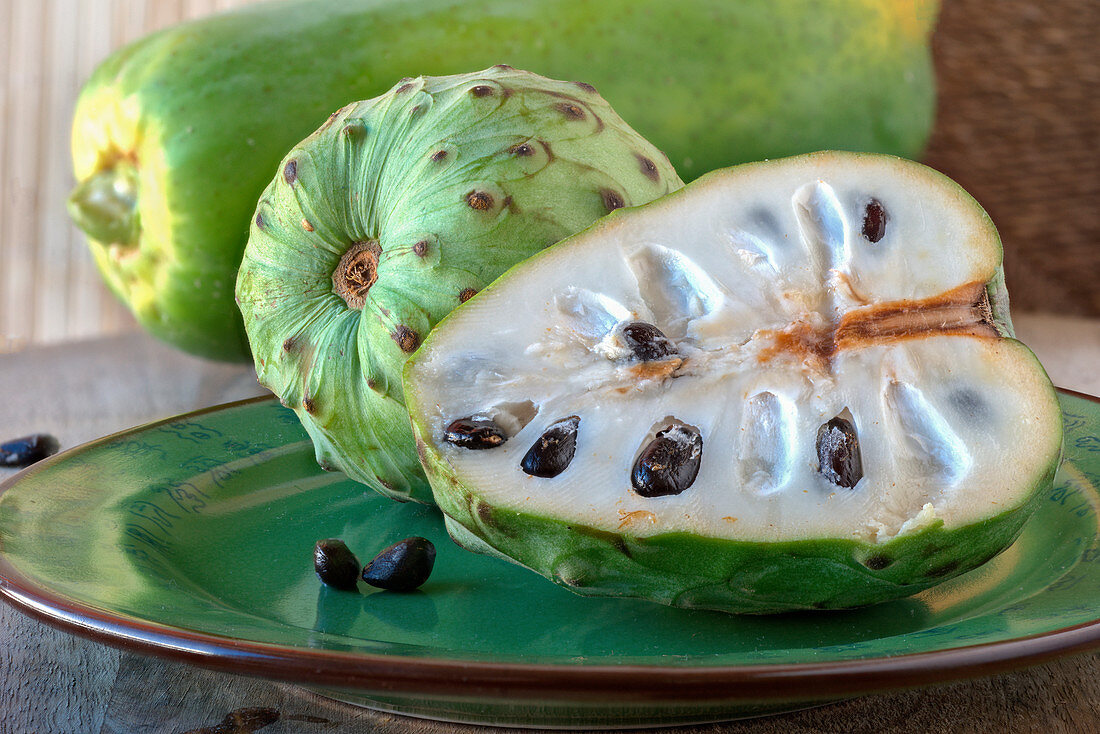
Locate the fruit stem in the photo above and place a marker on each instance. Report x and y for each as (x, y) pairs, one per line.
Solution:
(105, 205)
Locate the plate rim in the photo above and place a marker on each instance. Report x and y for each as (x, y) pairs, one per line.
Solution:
(382, 673)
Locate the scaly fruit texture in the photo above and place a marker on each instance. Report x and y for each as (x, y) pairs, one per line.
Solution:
(789, 385)
(176, 136)
(397, 210)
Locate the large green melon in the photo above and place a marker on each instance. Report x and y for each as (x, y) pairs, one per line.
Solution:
(176, 136)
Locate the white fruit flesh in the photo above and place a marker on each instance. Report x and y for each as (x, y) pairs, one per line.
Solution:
(784, 316)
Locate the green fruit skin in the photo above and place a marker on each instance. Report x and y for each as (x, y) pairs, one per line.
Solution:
(545, 158)
(737, 577)
(206, 110)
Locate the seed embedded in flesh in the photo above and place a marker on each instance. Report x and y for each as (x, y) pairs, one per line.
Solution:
(335, 564)
(874, 221)
(646, 342)
(403, 566)
(474, 432)
(669, 463)
(838, 453)
(553, 451)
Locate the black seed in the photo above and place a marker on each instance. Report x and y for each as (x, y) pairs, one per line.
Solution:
(404, 88)
(335, 565)
(552, 452)
(612, 200)
(646, 341)
(523, 150)
(290, 171)
(403, 566)
(649, 168)
(479, 200)
(669, 464)
(28, 449)
(874, 221)
(466, 294)
(481, 91)
(289, 344)
(503, 67)
(570, 111)
(877, 563)
(309, 405)
(838, 453)
(260, 220)
(439, 155)
(420, 249)
(586, 87)
(474, 433)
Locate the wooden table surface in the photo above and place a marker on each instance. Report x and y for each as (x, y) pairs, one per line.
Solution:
(52, 681)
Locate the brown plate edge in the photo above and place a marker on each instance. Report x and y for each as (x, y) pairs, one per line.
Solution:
(380, 674)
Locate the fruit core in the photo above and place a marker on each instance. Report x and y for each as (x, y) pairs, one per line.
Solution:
(356, 272)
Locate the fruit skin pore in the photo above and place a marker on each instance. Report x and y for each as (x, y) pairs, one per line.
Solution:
(198, 116)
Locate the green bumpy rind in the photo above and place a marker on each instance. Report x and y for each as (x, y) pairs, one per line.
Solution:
(440, 185)
(739, 577)
(198, 116)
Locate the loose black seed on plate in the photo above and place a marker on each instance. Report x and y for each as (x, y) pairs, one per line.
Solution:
(646, 341)
(28, 449)
(553, 451)
(874, 221)
(474, 433)
(335, 565)
(669, 464)
(838, 453)
(404, 566)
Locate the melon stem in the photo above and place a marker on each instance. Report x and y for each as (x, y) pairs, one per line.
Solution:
(105, 205)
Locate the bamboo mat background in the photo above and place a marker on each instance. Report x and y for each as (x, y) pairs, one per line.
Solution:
(1018, 125)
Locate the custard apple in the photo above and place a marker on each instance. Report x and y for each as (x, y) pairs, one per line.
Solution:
(394, 212)
(790, 385)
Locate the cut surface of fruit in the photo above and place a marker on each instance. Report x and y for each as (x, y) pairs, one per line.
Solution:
(835, 366)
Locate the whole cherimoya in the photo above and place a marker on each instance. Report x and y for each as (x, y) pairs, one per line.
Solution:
(397, 210)
(789, 385)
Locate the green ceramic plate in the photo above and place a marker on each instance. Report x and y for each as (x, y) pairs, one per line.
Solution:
(192, 539)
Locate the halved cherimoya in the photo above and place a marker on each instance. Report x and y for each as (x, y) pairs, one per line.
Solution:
(791, 385)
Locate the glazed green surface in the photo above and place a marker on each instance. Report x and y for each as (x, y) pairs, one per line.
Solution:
(206, 524)
(711, 83)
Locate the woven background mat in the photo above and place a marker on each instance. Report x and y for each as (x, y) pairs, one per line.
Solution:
(1018, 125)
